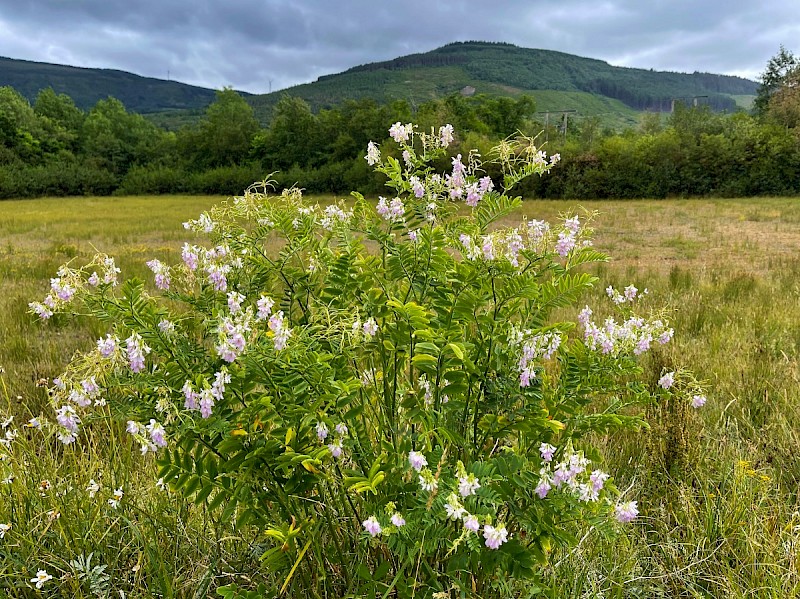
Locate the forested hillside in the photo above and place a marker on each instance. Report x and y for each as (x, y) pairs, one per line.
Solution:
(505, 69)
(87, 86)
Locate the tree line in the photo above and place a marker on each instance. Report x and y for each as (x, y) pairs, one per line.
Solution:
(53, 148)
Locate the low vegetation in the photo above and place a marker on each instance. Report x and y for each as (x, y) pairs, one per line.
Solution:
(717, 486)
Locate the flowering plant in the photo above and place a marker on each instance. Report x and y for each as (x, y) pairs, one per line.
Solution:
(382, 392)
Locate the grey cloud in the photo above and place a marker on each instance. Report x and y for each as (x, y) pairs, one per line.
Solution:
(249, 43)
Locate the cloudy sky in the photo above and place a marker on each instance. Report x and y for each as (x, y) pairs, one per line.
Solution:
(258, 45)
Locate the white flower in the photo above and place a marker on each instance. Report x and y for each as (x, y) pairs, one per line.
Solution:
(41, 577)
(114, 501)
(92, 488)
(4, 528)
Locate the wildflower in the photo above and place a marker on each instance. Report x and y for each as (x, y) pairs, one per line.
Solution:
(322, 431)
(547, 451)
(425, 384)
(189, 255)
(565, 243)
(34, 423)
(108, 346)
(666, 381)
(93, 280)
(630, 293)
(161, 485)
(116, 498)
(372, 526)
(392, 211)
(157, 434)
(370, 327)
(417, 460)
(161, 272)
(666, 336)
(398, 520)
(206, 403)
(495, 536)
(42, 311)
(453, 508)
(282, 333)
(217, 276)
(137, 350)
(41, 578)
(468, 485)
(446, 135)
(572, 224)
(626, 512)
(167, 327)
(488, 248)
(132, 427)
(336, 448)
(543, 488)
(417, 186)
(427, 481)
(92, 488)
(341, 429)
(471, 523)
(401, 133)
(698, 401)
(598, 479)
(68, 419)
(373, 154)
(4, 528)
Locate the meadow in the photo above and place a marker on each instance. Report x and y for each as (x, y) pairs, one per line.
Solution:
(720, 513)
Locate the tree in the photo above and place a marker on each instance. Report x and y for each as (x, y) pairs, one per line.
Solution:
(115, 139)
(773, 77)
(784, 104)
(291, 138)
(61, 118)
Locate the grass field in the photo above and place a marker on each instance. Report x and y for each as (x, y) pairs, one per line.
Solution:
(718, 488)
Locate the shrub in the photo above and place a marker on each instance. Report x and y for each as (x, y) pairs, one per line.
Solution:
(383, 391)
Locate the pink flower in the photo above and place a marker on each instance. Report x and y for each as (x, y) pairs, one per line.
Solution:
(666, 381)
(626, 512)
(495, 536)
(547, 451)
(417, 460)
(398, 520)
(372, 526)
(698, 401)
(471, 523)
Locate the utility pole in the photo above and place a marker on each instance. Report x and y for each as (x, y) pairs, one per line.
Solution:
(564, 116)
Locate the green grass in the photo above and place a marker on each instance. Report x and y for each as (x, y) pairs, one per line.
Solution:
(717, 487)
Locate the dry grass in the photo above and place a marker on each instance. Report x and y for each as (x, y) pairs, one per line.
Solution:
(720, 521)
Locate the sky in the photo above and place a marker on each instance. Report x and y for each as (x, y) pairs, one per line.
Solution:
(266, 45)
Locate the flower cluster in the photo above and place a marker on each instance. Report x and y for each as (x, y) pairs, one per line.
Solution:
(233, 330)
(634, 335)
(161, 272)
(151, 436)
(336, 446)
(392, 211)
(571, 473)
(534, 347)
(335, 215)
(70, 282)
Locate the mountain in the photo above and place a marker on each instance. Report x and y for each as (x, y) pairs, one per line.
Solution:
(557, 80)
(87, 86)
